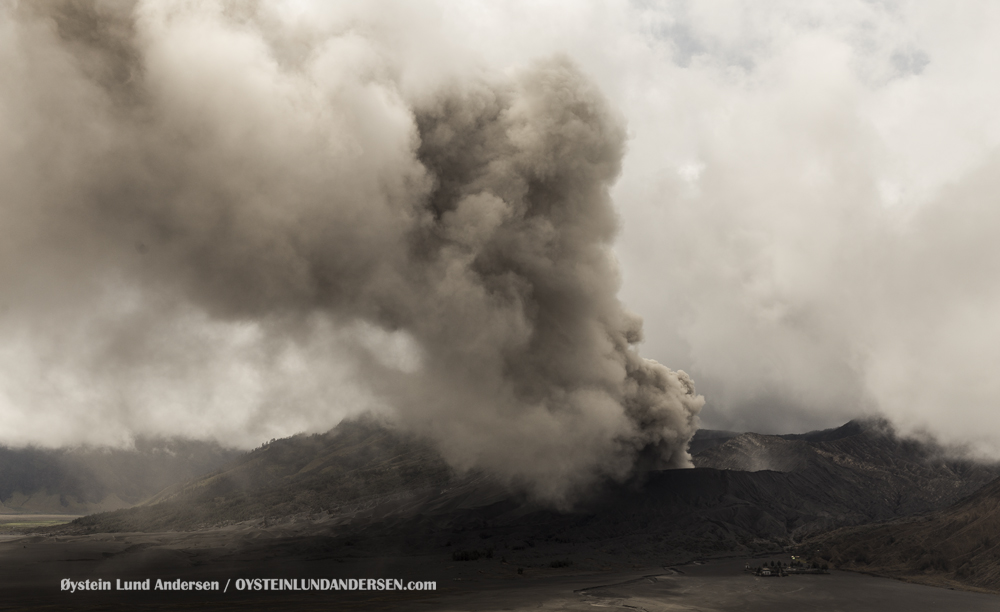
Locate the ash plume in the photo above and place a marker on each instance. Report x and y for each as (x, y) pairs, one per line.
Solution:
(221, 221)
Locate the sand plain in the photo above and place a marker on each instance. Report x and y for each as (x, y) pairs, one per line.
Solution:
(32, 567)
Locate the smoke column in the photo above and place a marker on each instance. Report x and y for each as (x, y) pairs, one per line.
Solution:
(218, 218)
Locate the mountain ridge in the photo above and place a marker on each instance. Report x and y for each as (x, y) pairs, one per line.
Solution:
(912, 475)
(366, 482)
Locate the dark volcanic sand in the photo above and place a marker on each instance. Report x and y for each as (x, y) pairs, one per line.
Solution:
(30, 570)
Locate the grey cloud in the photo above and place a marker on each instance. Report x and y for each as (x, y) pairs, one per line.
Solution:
(199, 227)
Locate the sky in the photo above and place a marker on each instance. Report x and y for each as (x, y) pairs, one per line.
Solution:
(797, 198)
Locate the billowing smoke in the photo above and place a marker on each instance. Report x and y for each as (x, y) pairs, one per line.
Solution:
(221, 220)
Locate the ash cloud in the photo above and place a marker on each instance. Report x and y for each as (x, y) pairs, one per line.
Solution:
(225, 221)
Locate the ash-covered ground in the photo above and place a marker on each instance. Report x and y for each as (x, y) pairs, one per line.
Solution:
(621, 581)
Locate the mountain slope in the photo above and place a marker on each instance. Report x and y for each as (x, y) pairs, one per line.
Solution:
(705, 439)
(889, 475)
(85, 480)
(358, 465)
(957, 545)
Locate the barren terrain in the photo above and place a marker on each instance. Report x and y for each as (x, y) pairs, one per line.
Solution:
(32, 568)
